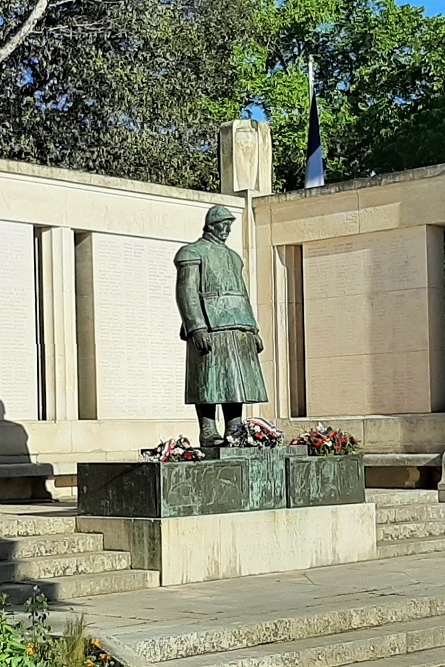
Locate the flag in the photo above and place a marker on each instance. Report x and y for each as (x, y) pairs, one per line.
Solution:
(314, 158)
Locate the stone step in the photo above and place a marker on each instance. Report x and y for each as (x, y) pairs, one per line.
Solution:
(408, 531)
(419, 545)
(383, 498)
(27, 469)
(47, 567)
(410, 513)
(433, 658)
(164, 648)
(49, 545)
(26, 526)
(82, 585)
(330, 651)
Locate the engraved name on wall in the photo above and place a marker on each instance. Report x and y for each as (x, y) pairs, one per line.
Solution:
(140, 358)
(18, 346)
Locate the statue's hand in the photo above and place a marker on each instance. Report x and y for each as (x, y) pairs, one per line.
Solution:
(202, 341)
(259, 344)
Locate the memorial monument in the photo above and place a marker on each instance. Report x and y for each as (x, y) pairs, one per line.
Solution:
(219, 328)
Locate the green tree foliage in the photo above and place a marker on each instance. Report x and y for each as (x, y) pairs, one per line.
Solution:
(138, 88)
(133, 88)
(380, 72)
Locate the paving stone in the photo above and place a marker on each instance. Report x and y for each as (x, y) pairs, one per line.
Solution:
(329, 623)
(66, 565)
(411, 513)
(383, 498)
(329, 651)
(84, 585)
(409, 531)
(432, 658)
(420, 545)
(49, 545)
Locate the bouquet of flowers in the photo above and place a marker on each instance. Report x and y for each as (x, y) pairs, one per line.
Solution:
(256, 433)
(173, 450)
(326, 441)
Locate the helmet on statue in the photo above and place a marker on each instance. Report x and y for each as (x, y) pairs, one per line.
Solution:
(216, 214)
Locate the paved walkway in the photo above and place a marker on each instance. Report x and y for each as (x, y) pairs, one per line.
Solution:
(139, 616)
(132, 617)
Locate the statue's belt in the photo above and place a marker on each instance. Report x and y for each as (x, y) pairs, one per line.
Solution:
(203, 295)
(228, 309)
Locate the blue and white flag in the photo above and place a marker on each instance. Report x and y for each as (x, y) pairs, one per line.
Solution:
(314, 158)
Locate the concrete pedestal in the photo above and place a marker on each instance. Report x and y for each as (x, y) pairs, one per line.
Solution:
(240, 512)
(222, 546)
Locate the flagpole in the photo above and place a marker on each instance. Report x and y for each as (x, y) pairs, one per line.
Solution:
(311, 78)
(314, 177)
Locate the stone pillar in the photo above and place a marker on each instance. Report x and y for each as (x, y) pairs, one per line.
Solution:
(245, 157)
(245, 151)
(441, 486)
(59, 323)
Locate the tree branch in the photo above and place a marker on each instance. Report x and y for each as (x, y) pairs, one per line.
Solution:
(24, 31)
(279, 54)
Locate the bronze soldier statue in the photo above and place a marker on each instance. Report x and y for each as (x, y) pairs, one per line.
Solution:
(220, 329)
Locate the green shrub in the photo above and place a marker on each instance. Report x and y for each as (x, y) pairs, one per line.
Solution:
(32, 643)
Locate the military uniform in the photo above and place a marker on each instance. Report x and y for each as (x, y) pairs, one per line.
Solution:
(212, 296)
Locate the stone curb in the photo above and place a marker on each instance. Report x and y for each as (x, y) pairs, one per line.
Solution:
(127, 656)
(164, 648)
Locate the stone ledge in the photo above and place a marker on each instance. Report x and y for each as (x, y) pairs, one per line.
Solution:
(93, 180)
(406, 176)
(406, 460)
(9, 470)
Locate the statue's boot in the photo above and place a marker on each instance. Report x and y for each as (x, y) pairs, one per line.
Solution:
(233, 418)
(232, 427)
(208, 432)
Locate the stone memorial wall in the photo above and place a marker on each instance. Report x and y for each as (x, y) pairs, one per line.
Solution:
(140, 358)
(368, 254)
(18, 342)
(367, 324)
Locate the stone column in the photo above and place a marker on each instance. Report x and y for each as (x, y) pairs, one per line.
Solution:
(245, 157)
(245, 151)
(59, 323)
(441, 486)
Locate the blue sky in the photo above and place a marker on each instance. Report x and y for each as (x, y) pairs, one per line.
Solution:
(432, 7)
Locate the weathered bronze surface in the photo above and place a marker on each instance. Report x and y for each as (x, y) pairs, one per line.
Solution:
(152, 490)
(234, 480)
(324, 480)
(219, 327)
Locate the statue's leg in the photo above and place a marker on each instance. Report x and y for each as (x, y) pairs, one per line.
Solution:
(208, 433)
(233, 417)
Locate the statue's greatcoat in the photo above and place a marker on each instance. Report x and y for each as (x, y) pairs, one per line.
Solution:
(212, 296)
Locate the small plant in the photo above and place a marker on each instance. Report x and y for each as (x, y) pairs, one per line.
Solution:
(326, 441)
(32, 643)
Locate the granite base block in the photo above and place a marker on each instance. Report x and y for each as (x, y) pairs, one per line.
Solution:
(265, 472)
(325, 480)
(205, 548)
(229, 480)
(153, 490)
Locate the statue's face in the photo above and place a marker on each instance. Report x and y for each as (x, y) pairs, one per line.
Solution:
(222, 229)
